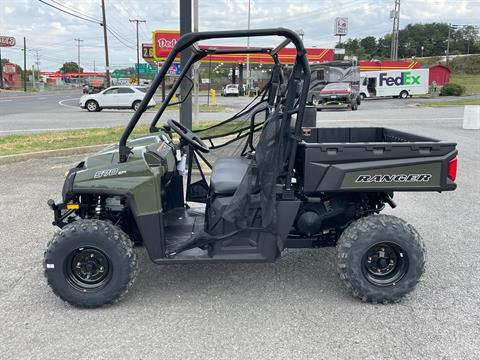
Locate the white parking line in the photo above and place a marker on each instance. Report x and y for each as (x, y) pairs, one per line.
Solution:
(5, 100)
(69, 106)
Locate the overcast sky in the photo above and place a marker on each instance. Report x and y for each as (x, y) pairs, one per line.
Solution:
(52, 32)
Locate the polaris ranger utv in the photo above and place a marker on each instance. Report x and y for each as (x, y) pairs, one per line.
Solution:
(274, 184)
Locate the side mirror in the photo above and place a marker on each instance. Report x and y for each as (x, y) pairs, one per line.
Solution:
(190, 88)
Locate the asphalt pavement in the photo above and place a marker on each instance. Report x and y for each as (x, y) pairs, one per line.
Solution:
(22, 113)
(296, 308)
(27, 113)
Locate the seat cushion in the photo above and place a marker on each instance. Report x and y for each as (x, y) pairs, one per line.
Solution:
(227, 173)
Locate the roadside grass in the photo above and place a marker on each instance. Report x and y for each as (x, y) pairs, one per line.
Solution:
(54, 140)
(470, 81)
(459, 102)
(202, 108)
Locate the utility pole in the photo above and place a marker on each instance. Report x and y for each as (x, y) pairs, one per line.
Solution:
(104, 24)
(78, 52)
(1, 69)
(196, 72)
(24, 64)
(248, 45)
(185, 27)
(395, 14)
(447, 53)
(138, 54)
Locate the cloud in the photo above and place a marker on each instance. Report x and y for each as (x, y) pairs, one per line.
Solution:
(52, 32)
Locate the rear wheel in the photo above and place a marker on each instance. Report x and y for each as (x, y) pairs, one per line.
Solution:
(92, 106)
(362, 96)
(136, 105)
(90, 263)
(380, 258)
(404, 94)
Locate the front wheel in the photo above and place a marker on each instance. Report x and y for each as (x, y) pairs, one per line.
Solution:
(90, 263)
(92, 106)
(380, 258)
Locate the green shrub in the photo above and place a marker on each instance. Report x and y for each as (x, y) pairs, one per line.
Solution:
(452, 89)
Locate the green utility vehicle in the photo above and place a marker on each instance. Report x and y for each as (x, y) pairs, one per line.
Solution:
(263, 180)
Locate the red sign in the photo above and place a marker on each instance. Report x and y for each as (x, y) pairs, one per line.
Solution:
(7, 41)
(165, 40)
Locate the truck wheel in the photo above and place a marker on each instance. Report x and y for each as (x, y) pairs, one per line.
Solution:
(362, 96)
(380, 258)
(404, 94)
(90, 263)
(92, 106)
(135, 105)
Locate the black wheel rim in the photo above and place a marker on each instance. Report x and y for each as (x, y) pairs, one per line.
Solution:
(384, 264)
(88, 268)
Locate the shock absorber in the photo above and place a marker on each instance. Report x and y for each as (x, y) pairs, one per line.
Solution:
(99, 209)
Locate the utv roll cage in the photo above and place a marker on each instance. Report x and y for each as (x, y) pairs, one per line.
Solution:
(189, 40)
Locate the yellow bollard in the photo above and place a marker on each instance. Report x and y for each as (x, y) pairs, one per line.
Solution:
(213, 96)
(174, 98)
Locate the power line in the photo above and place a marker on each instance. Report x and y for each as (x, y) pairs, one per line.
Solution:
(118, 38)
(69, 13)
(71, 8)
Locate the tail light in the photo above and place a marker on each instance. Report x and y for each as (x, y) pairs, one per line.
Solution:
(452, 169)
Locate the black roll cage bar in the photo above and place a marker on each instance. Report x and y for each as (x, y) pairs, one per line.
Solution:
(188, 40)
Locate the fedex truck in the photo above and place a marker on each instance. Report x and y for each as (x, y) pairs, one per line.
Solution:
(396, 83)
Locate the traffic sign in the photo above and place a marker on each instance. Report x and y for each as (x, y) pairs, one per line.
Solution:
(145, 69)
(119, 74)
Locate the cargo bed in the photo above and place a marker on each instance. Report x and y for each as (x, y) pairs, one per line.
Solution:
(373, 159)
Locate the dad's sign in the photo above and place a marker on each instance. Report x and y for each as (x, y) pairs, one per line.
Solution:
(7, 41)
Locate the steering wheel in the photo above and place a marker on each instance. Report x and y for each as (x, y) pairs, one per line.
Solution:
(188, 136)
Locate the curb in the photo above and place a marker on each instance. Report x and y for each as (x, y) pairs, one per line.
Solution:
(8, 159)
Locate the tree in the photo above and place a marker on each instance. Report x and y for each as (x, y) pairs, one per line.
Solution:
(369, 45)
(70, 66)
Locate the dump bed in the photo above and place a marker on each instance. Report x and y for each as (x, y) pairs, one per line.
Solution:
(373, 159)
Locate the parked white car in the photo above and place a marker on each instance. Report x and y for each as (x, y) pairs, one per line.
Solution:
(115, 97)
(230, 90)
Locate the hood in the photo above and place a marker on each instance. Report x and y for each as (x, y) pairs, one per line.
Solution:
(109, 154)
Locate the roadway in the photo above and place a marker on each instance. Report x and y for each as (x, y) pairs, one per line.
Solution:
(26, 113)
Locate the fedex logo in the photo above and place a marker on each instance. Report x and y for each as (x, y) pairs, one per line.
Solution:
(405, 78)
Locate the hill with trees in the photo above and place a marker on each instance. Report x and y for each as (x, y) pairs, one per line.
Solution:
(433, 37)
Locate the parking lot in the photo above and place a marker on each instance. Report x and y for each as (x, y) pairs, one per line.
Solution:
(295, 308)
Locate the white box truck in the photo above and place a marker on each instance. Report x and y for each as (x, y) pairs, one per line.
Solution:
(396, 83)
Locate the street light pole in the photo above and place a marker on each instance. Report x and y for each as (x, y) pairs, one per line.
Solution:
(138, 54)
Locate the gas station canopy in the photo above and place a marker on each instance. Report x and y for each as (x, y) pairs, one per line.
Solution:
(165, 40)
